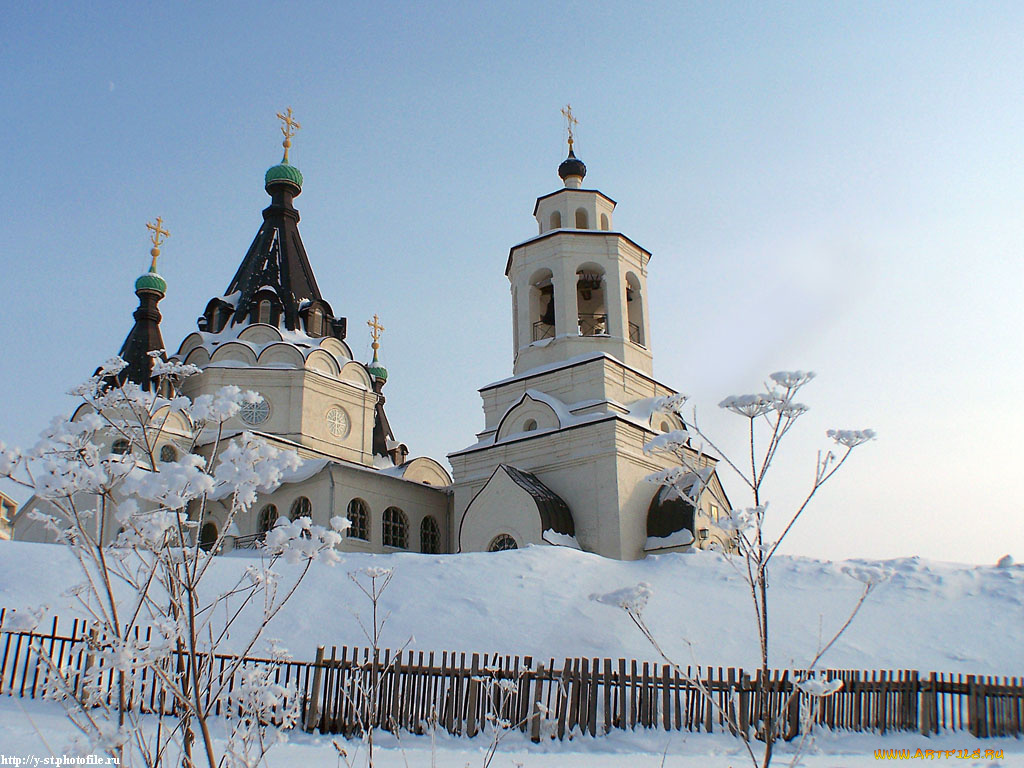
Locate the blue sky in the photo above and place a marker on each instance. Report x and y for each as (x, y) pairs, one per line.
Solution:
(827, 186)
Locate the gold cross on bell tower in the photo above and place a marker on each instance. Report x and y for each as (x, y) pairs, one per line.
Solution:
(159, 234)
(376, 329)
(570, 121)
(289, 127)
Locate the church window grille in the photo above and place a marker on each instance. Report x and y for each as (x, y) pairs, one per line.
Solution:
(502, 542)
(430, 536)
(120, 446)
(302, 508)
(255, 413)
(208, 536)
(168, 453)
(396, 528)
(359, 517)
(268, 516)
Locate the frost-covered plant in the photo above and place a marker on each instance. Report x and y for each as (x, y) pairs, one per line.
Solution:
(152, 574)
(769, 417)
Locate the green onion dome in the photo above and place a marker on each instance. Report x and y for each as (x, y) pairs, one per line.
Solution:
(377, 370)
(151, 281)
(283, 172)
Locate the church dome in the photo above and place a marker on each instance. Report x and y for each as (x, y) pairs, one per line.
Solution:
(572, 166)
(377, 370)
(151, 281)
(283, 172)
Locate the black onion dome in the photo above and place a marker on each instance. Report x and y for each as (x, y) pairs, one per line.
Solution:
(572, 166)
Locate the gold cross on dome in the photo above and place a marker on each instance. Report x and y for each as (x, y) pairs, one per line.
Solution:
(159, 234)
(570, 121)
(289, 127)
(376, 329)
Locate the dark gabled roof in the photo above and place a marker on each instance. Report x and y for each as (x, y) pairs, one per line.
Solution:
(554, 512)
(277, 269)
(276, 259)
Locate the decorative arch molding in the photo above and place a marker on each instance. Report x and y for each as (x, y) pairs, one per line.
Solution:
(336, 347)
(198, 356)
(282, 354)
(234, 351)
(533, 406)
(425, 470)
(172, 421)
(323, 362)
(191, 342)
(356, 373)
(260, 334)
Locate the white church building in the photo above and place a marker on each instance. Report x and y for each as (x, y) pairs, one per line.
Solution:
(560, 459)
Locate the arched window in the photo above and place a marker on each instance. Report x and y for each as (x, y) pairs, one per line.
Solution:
(605, 225)
(396, 528)
(208, 536)
(263, 313)
(268, 516)
(542, 305)
(168, 453)
(120, 446)
(529, 425)
(359, 516)
(590, 301)
(501, 542)
(581, 219)
(430, 536)
(635, 309)
(302, 508)
(556, 220)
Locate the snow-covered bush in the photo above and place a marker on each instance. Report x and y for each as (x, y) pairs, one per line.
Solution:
(769, 416)
(133, 515)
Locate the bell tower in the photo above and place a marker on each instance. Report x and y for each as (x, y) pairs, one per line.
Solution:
(578, 286)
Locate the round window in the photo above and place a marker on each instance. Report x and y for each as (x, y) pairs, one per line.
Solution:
(337, 421)
(254, 413)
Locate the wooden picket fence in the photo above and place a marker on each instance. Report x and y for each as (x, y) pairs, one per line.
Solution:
(353, 688)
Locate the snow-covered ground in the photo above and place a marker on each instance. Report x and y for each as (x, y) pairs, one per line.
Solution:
(39, 729)
(927, 615)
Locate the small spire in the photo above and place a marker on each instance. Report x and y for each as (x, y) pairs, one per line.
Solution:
(376, 329)
(289, 126)
(158, 236)
(570, 122)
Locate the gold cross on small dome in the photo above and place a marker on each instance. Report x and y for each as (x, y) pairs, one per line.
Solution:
(289, 127)
(376, 329)
(570, 121)
(159, 234)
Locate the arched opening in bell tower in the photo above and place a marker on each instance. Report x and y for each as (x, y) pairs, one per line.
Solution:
(635, 310)
(556, 220)
(590, 300)
(542, 305)
(581, 219)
